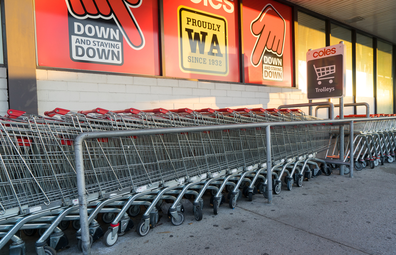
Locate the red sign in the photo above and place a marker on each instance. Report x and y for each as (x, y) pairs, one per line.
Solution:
(267, 43)
(113, 36)
(201, 39)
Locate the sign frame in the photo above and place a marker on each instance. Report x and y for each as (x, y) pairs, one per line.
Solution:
(324, 66)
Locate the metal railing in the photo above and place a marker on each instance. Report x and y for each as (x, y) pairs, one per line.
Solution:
(110, 134)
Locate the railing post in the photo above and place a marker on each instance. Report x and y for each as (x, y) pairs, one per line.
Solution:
(269, 164)
(82, 199)
(351, 154)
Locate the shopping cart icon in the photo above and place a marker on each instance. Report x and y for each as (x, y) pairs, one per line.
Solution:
(322, 73)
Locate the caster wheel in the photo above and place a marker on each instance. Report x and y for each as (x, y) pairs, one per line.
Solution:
(358, 166)
(64, 225)
(98, 233)
(48, 250)
(389, 159)
(289, 183)
(376, 162)
(250, 196)
(382, 160)
(278, 188)
(179, 220)
(143, 229)
(198, 213)
(216, 206)
(76, 224)
(108, 217)
(62, 243)
(133, 210)
(300, 179)
(109, 239)
(372, 164)
(233, 200)
(364, 163)
(260, 188)
(326, 169)
(29, 232)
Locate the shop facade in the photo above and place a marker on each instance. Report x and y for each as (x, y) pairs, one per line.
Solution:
(172, 54)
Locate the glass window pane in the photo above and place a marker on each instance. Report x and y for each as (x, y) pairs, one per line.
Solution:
(365, 70)
(342, 34)
(384, 78)
(311, 35)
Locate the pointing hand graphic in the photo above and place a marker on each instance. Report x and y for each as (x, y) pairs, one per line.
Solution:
(270, 29)
(119, 10)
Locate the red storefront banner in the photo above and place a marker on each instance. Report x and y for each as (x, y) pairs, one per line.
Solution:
(201, 39)
(113, 36)
(267, 43)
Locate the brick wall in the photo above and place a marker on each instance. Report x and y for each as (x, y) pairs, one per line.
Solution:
(82, 91)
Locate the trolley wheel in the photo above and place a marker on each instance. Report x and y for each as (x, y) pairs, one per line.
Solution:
(300, 179)
(346, 170)
(29, 232)
(250, 196)
(372, 164)
(326, 169)
(216, 206)
(48, 250)
(108, 238)
(277, 188)
(389, 159)
(358, 166)
(260, 187)
(376, 162)
(245, 191)
(289, 183)
(233, 200)
(364, 163)
(108, 217)
(198, 213)
(76, 224)
(63, 225)
(133, 210)
(62, 243)
(179, 221)
(79, 243)
(142, 228)
(41, 231)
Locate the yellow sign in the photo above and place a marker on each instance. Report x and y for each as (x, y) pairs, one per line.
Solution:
(202, 42)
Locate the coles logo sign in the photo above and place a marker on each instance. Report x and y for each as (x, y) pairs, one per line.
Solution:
(97, 29)
(324, 52)
(270, 29)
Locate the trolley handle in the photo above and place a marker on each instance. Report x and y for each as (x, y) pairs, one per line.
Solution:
(296, 110)
(158, 110)
(96, 110)
(285, 110)
(13, 114)
(272, 110)
(129, 110)
(258, 109)
(225, 110)
(242, 110)
(56, 111)
(210, 110)
(181, 110)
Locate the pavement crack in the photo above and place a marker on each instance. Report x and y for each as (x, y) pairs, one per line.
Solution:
(309, 232)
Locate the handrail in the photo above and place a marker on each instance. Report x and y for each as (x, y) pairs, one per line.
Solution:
(347, 104)
(330, 104)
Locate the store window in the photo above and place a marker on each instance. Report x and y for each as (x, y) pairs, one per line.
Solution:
(365, 70)
(342, 34)
(384, 78)
(311, 35)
